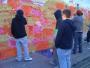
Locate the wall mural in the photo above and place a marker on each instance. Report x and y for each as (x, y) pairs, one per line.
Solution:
(40, 28)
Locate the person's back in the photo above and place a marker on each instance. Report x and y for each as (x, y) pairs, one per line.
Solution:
(66, 39)
(19, 33)
(78, 23)
(18, 27)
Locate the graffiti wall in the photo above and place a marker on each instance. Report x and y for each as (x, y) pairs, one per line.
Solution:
(40, 28)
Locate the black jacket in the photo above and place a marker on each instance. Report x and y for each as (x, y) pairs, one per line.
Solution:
(18, 25)
(64, 38)
(18, 28)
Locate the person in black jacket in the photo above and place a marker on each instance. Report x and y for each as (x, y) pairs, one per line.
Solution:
(64, 40)
(58, 17)
(19, 33)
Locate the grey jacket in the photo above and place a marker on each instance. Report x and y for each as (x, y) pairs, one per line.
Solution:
(78, 23)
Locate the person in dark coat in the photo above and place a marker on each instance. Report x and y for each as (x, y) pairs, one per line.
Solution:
(19, 33)
(64, 40)
(58, 17)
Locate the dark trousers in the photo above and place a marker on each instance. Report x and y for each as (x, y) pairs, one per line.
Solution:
(77, 42)
(88, 36)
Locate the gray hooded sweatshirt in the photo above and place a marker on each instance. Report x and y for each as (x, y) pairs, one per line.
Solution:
(78, 23)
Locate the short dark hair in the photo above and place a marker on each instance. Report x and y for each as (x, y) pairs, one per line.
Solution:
(67, 12)
(19, 12)
(58, 14)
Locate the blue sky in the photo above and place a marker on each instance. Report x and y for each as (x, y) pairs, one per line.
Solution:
(82, 3)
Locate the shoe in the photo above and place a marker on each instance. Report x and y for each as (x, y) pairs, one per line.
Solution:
(19, 60)
(28, 59)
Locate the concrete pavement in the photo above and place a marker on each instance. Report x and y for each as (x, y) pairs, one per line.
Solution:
(79, 60)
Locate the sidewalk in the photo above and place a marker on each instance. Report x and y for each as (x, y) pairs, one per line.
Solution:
(40, 61)
(79, 57)
(86, 52)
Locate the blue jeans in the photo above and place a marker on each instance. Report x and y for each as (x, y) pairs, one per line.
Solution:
(77, 42)
(22, 43)
(64, 58)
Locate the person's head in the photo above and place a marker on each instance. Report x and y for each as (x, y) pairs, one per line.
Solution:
(79, 13)
(58, 14)
(66, 14)
(19, 13)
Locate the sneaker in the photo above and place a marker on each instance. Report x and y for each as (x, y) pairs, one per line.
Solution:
(19, 60)
(28, 59)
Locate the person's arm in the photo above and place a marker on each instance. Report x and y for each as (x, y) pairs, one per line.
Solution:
(55, 33)
(74, 23)
(60, 30)
(11, 30)
(25, 21)
(57, 26)
(59, 34)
